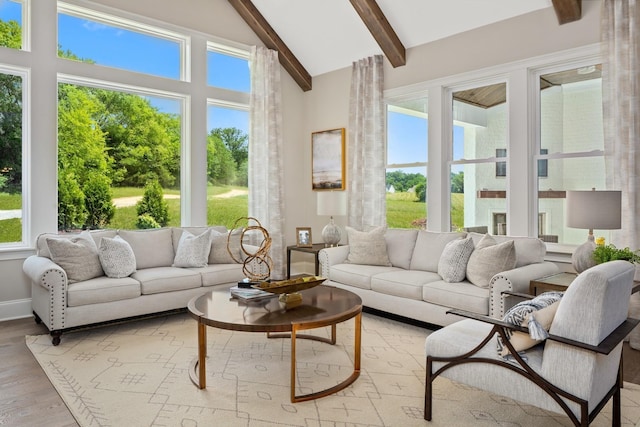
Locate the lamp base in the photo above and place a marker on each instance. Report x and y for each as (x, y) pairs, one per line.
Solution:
(582, 257)
(331, 234)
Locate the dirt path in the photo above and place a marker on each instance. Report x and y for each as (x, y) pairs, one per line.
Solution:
(122, 202)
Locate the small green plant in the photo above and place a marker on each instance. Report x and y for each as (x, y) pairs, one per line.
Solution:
(97, 200)
(146, 221)
(605, 253)
(153, 203)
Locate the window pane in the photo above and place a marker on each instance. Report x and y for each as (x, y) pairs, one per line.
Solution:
(227, 165)
(10, 159)
(11, 24)
(114, 149)
(228, 72)
(570, 124)
(406, 177)
(109, 45)
(478, 188)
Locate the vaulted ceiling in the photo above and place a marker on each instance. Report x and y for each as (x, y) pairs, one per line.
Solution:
(317, 36)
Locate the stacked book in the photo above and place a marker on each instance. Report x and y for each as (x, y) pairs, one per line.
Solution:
(249, 294)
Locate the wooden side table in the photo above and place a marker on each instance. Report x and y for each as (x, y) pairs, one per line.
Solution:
(314, 249)
(560, 282)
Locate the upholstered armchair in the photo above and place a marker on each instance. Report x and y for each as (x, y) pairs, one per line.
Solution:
(577, 369)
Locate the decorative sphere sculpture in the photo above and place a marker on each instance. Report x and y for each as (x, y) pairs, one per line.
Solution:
(260, 256)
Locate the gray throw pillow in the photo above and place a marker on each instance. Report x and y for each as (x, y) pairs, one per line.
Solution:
(116, 257)
(219, 253)
(452, 266)
(489, 259)
(77, 256)
(193, 251)
(367, 247)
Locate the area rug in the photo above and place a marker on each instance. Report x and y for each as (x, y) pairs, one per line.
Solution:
(136, 374)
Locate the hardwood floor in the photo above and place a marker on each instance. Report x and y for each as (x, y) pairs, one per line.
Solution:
(27, 398)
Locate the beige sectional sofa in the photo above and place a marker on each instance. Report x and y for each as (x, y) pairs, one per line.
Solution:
(408, 283)
(150, 271)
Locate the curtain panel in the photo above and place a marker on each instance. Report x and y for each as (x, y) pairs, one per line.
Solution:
(366, 146)
(266, 176)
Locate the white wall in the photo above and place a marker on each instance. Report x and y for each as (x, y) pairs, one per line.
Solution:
(326, 106)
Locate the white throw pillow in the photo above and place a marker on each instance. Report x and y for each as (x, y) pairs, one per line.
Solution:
(193, 251)
(77, 256)
(367, 247)
(219, 253)
(452, 266)
(117, 257)
(489, 259)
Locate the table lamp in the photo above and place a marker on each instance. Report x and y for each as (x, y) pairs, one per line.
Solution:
(593, 209)
(331, 203)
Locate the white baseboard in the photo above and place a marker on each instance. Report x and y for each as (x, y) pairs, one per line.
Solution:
(16, 309)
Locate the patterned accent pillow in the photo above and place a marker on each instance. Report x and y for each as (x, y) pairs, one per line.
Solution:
(219, 253)
(117, 257)
(452, 266)
(367, 247)
(541, 308)
(77, 256)
(193, 251)
(488, 259)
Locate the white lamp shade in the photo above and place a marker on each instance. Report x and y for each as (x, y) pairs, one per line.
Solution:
(332, 203)
(591, 210)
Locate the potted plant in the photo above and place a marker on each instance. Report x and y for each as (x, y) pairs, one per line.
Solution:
(604, 253)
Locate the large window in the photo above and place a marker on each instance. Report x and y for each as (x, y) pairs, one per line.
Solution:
(571, 145)
(478, 187)
(406, 178)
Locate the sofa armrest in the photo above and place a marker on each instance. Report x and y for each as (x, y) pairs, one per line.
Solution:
(332, 256)
(517, 281)
(45, 272)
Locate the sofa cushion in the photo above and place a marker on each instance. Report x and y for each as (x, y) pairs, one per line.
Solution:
(165, 279)
(219, 253)
(429, 247)
(77, 256)
(488, 259)
(357, 275)
(405, 284)
(462, 295)
(400, 245)
(152, 248)
(193, 251)
(219, 274)
(102, 289)
(176, 232)
(452, 266)
(41, 242)
(529, 250)
(367, 247)
(116, 257)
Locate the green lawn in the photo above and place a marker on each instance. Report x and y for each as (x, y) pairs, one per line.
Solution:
(403, 211)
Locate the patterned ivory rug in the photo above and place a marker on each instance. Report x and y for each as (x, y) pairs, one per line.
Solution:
(136, 374)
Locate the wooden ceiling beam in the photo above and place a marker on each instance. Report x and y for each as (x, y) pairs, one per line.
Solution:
(381, 30)
(270, 38)
(567, 10)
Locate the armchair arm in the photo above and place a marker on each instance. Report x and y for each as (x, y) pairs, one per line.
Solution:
(517, 281)
(332, 256)
(605, 347)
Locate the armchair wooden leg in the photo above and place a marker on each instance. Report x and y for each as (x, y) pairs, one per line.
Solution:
(616, 418)
(428, 390)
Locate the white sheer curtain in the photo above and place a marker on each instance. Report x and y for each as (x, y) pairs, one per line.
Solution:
(621, 108)
(266, 195)
(366, 146)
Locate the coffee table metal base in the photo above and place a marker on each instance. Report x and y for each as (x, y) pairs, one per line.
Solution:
(198, 372)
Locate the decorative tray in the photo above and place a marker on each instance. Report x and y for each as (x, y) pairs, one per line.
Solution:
(291, 285)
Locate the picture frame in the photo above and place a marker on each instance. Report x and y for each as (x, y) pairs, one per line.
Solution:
(303, 237)
(328, 160)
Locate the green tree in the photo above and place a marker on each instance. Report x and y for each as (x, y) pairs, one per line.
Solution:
(421, 192)
(402, 181)
(457, 182)
(71, 209)
(221, 167)
(98, 196)
(153, 203)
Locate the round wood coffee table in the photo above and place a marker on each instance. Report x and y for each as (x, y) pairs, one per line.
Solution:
(320, 307)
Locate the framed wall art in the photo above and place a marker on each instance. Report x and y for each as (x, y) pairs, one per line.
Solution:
(328, 160)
